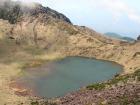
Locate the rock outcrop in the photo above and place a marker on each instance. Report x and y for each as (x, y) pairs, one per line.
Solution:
(15, 11)
(138, 38)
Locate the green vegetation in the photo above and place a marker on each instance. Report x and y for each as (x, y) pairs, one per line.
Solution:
(115, 81)
(35, 103)
(137, 74)
(126, 101)
(42, 103)
(97, 86)
(118, 79)
(34, 50)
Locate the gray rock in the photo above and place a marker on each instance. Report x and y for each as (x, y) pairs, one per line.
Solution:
(14, 10)
(138, 37)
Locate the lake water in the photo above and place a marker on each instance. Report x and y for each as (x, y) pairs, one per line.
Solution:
(67, 75)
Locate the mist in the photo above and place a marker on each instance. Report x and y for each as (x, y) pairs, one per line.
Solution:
(3, 1)
(24, 6)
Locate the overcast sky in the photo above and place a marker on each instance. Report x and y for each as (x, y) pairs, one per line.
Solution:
(120, 16)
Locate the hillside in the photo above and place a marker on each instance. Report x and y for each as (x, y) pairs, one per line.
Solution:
(119, 37)
(32, 34)
(14, 11)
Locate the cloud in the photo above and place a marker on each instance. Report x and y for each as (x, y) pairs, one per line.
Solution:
(2, 1)
(117, 8)
(30, 1)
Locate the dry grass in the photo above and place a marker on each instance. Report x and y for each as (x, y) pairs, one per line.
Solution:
(7, 96)
(14, 59)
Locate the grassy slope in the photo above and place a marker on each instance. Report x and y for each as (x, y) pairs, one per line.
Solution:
(14, 59)
(116, 80)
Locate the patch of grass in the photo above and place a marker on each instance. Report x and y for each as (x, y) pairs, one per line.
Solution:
(137, 74)
(42, 103)
(116, 80)
(126, 101)
(33, 63)
(51, 56)
(98, 86)
(33, 50)
(68, 28)
(35, 103)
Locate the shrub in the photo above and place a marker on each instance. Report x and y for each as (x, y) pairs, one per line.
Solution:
(98, 86)
(34, 103)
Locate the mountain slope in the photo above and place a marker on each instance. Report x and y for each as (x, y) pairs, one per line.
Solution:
(14, 11)
(45, 28)
(117, 36)
(36, 34)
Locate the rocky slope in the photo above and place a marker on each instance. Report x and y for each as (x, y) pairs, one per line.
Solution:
(138, 37)
(14, 11)
(50, 32)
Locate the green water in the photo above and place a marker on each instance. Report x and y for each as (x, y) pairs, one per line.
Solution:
(67, 75)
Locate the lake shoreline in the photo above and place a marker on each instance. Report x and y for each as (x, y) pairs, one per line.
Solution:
(67, 99)
(56, 56)
(27, 92)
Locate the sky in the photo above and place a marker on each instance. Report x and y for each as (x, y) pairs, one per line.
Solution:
(119, 16)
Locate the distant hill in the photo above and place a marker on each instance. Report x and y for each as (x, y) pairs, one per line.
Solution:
(120, 37)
